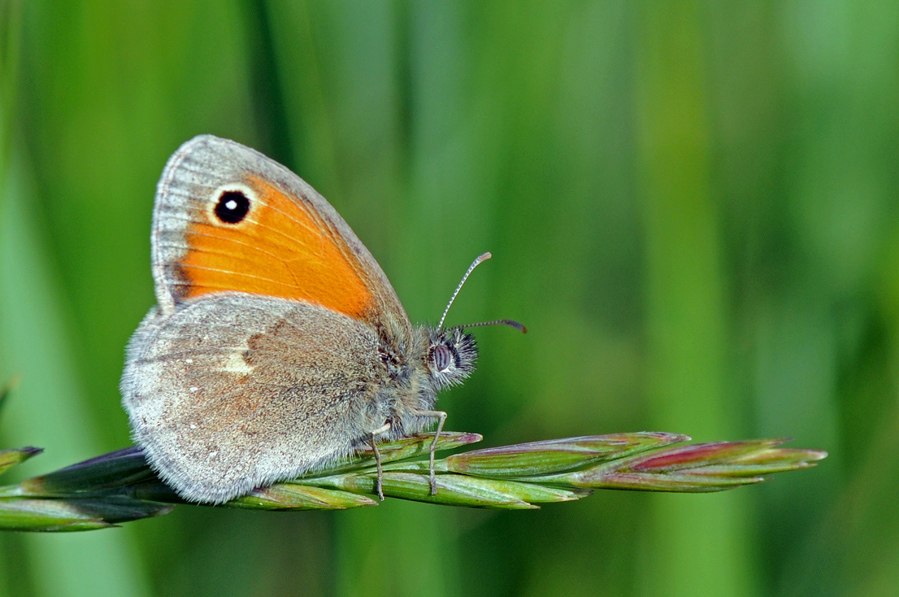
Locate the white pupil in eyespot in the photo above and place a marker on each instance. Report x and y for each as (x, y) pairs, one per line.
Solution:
(231, 204)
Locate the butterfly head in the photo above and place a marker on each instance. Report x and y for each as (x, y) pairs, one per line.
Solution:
(451, 356)
(451, 353)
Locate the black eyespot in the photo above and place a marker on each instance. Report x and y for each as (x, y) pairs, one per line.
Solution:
(232, 207)
(442, 357)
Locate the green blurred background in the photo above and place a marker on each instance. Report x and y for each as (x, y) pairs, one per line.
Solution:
(691, 205)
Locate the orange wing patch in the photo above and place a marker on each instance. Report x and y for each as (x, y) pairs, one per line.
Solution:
(282, 249)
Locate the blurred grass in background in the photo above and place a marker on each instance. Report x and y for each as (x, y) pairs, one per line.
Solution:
(692, 206)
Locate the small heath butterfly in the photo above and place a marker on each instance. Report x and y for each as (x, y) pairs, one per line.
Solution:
(278, 346)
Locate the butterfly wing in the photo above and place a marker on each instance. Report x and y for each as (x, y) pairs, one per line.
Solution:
(235, 391)
(227, 218)
(266, 356)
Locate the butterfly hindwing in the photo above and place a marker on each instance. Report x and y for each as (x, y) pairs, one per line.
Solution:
(235, 391)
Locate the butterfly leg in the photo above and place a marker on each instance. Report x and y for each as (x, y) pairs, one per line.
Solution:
(441, 418)
(380, 485)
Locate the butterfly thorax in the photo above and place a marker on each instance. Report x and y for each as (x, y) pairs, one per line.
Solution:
(432, 360)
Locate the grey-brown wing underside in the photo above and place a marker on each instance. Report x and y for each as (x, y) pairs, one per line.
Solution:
(234, 391)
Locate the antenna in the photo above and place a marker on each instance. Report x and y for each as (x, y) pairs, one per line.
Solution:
(508, 322)
(481, 258)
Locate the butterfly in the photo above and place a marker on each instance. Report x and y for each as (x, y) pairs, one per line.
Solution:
(277, 346)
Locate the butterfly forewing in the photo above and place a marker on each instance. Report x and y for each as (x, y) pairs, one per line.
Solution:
(227, 218)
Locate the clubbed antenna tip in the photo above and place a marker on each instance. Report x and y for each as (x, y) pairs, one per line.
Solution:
(481, 258)
(509, 322)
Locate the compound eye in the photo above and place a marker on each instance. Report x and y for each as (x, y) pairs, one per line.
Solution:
(442, 358)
